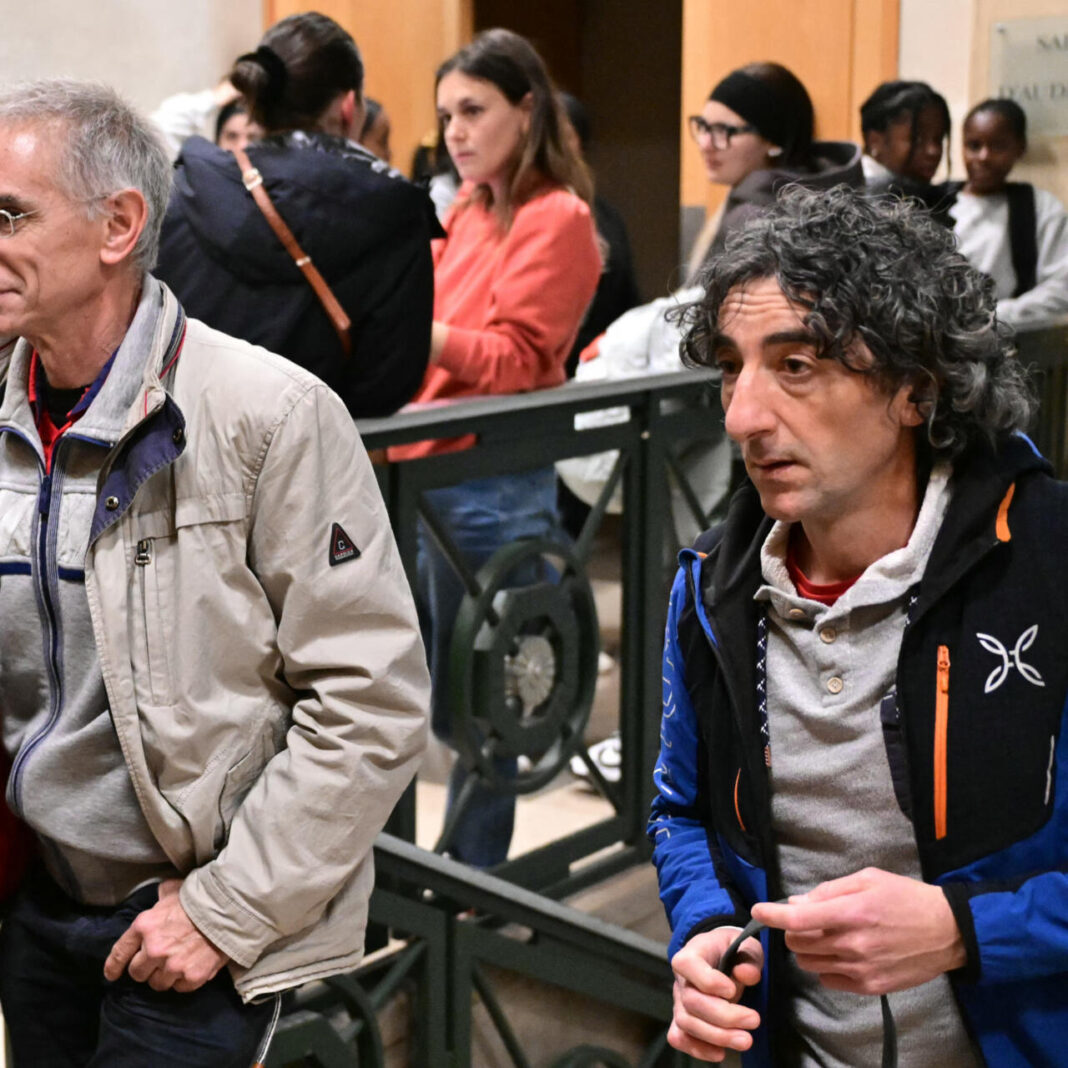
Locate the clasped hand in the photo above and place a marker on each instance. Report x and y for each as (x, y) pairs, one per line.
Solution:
(163, 948)
(872, 932)
(707, 1021)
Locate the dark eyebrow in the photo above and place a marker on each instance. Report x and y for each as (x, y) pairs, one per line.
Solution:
(792, 337)
(466, 102)
(720, 340)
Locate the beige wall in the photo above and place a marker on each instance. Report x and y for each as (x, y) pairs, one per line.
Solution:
(947, 43)
(147, 49)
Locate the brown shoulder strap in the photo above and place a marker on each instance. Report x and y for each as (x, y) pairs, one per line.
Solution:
(254, 184)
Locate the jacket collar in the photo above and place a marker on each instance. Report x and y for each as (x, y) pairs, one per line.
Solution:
(132, 388)
(979, 516)
(980, 483)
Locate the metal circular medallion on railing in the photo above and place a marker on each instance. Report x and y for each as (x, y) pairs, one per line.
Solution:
(523, 664)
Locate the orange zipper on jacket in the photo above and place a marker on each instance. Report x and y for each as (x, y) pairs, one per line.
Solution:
(941, 729)
(737, 807)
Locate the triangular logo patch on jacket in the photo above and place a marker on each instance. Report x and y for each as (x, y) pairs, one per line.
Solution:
(342, 547)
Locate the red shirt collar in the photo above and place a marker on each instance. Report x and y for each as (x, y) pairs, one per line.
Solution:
(822, 592)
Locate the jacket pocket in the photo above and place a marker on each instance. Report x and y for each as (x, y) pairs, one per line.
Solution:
(244, 773)
(178, 573)
(941, 736)
(154, 597)
(16, 525)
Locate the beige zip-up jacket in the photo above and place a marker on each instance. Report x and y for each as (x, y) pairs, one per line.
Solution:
(268, 687)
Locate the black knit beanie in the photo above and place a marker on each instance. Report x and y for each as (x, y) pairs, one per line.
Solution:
(758, 104)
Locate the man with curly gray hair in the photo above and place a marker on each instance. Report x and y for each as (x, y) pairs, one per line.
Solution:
(864, 743)
(212, 686)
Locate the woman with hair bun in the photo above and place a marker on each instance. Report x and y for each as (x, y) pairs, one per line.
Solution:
(513, 276)
(365, 227)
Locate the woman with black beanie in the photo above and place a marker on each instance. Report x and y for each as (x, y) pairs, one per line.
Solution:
(755, 134)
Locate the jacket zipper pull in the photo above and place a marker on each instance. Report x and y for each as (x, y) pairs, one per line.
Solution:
(44, 495)
(941, 754)
(144, 552)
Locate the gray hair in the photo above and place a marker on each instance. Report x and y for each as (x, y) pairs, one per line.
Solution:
(103, 145)
(883, 272)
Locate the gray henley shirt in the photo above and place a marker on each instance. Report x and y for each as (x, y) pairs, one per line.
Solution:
(833, 806)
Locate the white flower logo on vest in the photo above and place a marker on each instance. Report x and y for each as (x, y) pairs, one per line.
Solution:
(1010, 658)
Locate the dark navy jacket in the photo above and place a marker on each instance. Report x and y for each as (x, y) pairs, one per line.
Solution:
(364, 226)
(989, 807)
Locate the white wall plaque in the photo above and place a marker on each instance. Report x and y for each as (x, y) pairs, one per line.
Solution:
(1029, 64)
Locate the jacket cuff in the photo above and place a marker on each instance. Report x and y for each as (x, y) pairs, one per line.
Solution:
(227, 924)
(455, 355)
(713, 923)
(959, 898)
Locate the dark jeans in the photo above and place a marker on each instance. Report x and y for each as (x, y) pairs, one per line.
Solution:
(61, 1012)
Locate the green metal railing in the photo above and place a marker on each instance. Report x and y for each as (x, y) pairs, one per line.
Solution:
(1045, 352)
(462, 929)
(523, 432)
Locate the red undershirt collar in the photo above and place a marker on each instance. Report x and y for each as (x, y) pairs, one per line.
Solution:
(822, 592)
(46, 428)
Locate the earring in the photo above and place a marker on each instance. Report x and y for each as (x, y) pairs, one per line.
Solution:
(774, 152)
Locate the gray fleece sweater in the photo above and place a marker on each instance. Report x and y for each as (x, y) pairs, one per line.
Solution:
(834, 811)
(68, 781)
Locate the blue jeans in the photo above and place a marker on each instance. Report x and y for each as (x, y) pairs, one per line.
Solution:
(61, 1012)
(481, 515)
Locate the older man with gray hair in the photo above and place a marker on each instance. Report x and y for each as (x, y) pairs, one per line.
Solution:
(212, 688)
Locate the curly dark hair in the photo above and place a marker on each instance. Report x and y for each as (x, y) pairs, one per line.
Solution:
(880, 271)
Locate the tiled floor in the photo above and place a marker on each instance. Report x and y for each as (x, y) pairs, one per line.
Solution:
(555, 812)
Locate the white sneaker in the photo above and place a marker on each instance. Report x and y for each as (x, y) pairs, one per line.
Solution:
(606, 755)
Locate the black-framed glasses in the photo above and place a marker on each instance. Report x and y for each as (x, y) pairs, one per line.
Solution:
(719, 133)
(8, 220)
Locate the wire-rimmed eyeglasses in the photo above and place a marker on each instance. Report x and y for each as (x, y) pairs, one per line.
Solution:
(8, 220)
(719, 133)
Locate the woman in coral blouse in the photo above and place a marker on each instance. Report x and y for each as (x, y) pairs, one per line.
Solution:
(513, 277)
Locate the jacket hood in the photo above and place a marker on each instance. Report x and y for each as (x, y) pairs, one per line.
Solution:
(831, 163)
(339, 199)
(981, 479)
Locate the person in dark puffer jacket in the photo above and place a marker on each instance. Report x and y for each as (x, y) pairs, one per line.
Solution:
(365, 227)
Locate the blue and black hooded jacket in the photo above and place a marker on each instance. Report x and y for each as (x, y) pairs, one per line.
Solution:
(983, 776)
